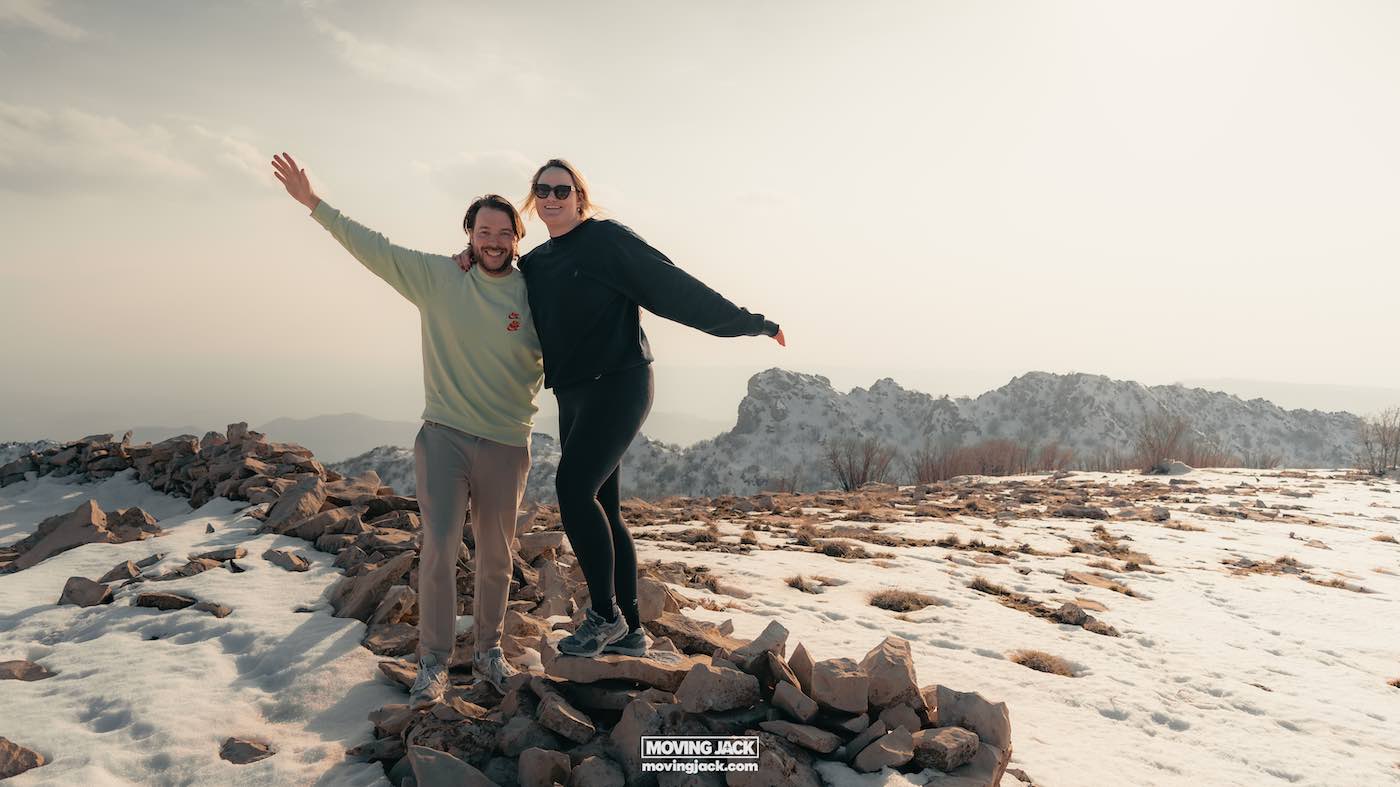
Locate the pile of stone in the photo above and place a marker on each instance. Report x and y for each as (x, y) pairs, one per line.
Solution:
(566, 720)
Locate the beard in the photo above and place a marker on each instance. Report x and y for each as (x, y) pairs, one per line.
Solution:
(480, 259)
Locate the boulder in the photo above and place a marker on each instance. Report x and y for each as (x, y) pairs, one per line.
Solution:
(241, 751)
(780, 764)
(358, 597)
(792, 701)
(891, 750)
(296, 505)
(23, 669)
(990, 720)
(692, 636)
(804, 735)
(220, 555)
(709, 688)
(890, 666)
(661, 670)
(866, 737)
(288, 560)
(432, 767)
(124, 570)
(521, 733)
(15, 759)
(772, 639)
(543, 768)
(85, 524)
(165, 601)
(840, 684)
(945, 748)
(800, 662)
(83, 592)
(597, 771)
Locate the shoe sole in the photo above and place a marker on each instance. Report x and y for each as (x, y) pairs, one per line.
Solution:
(642, 651)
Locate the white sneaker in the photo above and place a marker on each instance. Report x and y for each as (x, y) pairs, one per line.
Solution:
(430, 685)
(492, 667)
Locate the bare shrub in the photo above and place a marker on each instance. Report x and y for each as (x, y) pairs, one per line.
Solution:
(1378, 442)
(902, 600)
(1042, 662)
(857, 461)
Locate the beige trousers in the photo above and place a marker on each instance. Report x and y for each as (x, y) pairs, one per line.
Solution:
(453, 468)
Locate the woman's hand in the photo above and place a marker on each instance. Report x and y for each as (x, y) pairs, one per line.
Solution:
(778, 337)
(464, 259)
(294, 178)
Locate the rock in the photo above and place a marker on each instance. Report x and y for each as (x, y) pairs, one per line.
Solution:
(709, 688)
(297, 504)
(85, 524)
(596, 771)
(471, 740)
(661, 670)
(1170, 467)
(800, 662)
(220, 555)
(132, 524)
(84, 592)
(123, 570)
(638, 719)
(398, 606)
(217, 610)
(288, 560)
(23, 669)
(392, 720)
(891, 750)
(208, 529)
(840, 684)
(557, 715)
(991, 721)
(896, 716)
(1080, 512)
(543, 768)
(945, 748)
(986, 768)
(771, 669)
(381, 750)
(792, 701)
(191, 568)
(432, 767)
(165, 601)
(15, 759)
(692, 636)
(349, 558)
(391, 639)
(804, 735)
(521, 733)
(868, 736)
(780, 764)
(1071, 613)
(772, 639)
(358, 597)
(241, 751)
(543, 543)
(890, 666)
(654, 598)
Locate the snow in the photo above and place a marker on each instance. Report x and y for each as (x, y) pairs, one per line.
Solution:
(1173, 700)
(1217, 679)
(144, 696)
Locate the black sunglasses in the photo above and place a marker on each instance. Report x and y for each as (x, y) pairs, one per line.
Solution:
(561, 191)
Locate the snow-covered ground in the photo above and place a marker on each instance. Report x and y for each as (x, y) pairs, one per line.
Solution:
(146, 697)
(1217, 679)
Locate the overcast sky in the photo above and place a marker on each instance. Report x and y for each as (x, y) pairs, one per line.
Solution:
(950, 194)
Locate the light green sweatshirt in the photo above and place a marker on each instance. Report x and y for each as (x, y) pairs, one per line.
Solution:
(481, 357)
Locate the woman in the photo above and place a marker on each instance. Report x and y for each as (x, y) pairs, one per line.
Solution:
(585, 285)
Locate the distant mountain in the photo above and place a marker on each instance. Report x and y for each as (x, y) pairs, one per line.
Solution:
(785, 416)
(336, 437)
(1359, 399)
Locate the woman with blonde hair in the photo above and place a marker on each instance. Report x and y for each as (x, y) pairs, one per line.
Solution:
(587, 285)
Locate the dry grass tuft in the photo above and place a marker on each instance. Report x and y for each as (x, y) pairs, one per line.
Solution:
(1042, 662)
(803, 584)
(903, 600)
(983, 585)
(1386, 537)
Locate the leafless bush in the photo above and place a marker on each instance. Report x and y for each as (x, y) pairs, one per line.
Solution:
(1378, 438)
(1164, 436)
(789, 482)
(998, 456)
(856, 461)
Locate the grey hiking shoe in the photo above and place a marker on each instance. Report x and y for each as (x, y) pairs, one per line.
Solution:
(634, 643)
(594, 634)
(492, 667)
(432, 681)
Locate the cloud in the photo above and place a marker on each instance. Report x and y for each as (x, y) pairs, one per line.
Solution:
(377, 60)
(54, 151)
(468, 175)
(36, 14)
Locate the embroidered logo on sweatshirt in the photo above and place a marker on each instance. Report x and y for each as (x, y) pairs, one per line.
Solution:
(514, 324)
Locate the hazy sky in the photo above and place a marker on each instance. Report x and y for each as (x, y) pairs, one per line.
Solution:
(950, 194)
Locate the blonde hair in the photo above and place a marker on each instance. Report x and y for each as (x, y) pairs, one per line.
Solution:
(585, 205)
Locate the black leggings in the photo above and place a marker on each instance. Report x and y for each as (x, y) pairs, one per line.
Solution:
(598, 420)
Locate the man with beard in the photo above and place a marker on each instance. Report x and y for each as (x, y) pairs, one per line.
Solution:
(481, 371)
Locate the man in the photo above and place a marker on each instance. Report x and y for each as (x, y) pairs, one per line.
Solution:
(481, 371)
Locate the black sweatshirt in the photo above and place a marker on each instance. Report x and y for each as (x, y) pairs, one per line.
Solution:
(585, 287)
